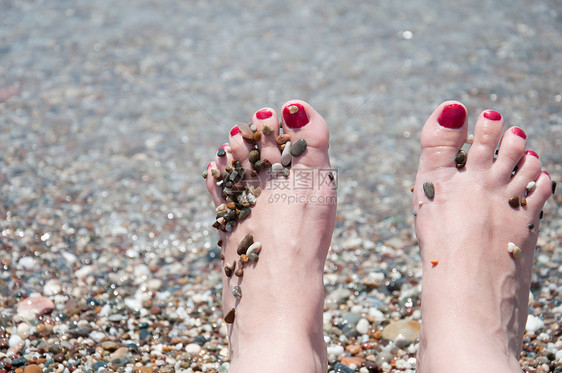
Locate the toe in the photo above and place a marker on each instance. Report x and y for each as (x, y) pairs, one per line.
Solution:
(487, 134)
(267, 123)
(528, 169)
(213, 175)
(510, 152)
(307, 129)
(542, 191)
(442, 136)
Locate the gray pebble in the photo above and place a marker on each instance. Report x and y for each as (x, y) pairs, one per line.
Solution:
(298, 147)
(429, 189)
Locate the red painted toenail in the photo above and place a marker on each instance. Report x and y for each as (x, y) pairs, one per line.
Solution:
(234, 131)
(223, 146)
(530, 152)
(546, 173)
(492, 115)
(264, 114)
(453, 116)
(519, 132)
(209, 165)
(295, 116)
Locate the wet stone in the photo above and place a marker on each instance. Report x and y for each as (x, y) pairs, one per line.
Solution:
(285, 172)
(276, 168)
(221, 153)
(245, 129)
(514, 202)
(531, 226)
(258, 165)
(402, 332)
(460, 159)
(228, 269)
(516, 252)
(240, 270)
(254, 156)
(215, 173)
(237, 292)
(531, 186)
(204, 174)
(244, 213)
(523, 201)
(257, 136)
(429, 189)
(246, 242)
(267, 130)
(254, 257)
(229, 318)
(298, 147)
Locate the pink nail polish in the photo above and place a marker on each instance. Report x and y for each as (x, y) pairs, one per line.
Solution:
(452, 116)
(264, 114)
(209, 165)
(530, 152)
(546, 173)
(492, 115)
(295, 116)
(519, 132)
(234, 131)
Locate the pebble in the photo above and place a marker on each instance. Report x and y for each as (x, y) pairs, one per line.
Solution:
(402, 332)
(237, 292)
(523, 201)
(254, 248)
(267, 130)
(429, 189)
(254, 156)
(32, 368)
(245, 129)
(277, 168)
(244, 213)
(460, 159)
(215, 173)
(531, 186)
(229, 318)
(363, 326)
(246, 242)
(298, 147)
(533, 324)
(193, 349)
(282, 139)
(221, 153)
(34, 305)
(286, 156)
(514, 202)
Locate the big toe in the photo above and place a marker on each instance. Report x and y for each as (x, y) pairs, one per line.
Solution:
(443, 134)
(308, 133)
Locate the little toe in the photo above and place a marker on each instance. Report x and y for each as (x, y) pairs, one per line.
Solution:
(510, 152)
(308, 135)
(213, 175)
(528, 169)
(541, 192)
(442, 136)
(487, 134)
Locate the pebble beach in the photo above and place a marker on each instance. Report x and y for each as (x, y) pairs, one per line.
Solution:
(110, 111)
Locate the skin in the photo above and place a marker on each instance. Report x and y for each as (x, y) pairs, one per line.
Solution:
(474, 301)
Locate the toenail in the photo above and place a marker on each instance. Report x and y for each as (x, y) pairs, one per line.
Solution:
(234, 131)
(519, 132)
(452, 116)
(295, 116)
(492, 115)
(264, 114)
(534, 154)
(546, 173)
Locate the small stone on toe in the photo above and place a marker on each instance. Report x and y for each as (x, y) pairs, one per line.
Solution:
(298, 147)
(469, 139)
(531, 226)
(229, 318)
(553, 186)
(245, 129)
(245, 244)
(281, 139)
(293, 109)
(237, 292)
(460, 159)
(514, 202)
(510, 247)
(221, 152)
(429, 189)
(267, 130)
(523, 201)
(531, 186)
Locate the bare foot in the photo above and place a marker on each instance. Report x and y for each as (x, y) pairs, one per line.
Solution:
(276, 324)
(475, 292)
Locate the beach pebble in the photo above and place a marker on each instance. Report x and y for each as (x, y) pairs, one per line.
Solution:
(267, 130)
(286, 156)
(533, 324)
(27, 262)
(402, 332)
(429, 189)
(254, 248)
(338, 295)
(282, 139)
(514, 202)
(193, 349)
(276, 168)
(34, 305)
(32, 368)
(229, 318)
(363, 326)
(245, 129)
(254, 156)
(335, 350)
(298, 147)
(531, 186)
(246, 242)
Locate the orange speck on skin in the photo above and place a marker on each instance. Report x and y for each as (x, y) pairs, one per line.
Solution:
(434, 262)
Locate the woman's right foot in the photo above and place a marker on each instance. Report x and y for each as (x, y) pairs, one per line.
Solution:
(476, 242)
